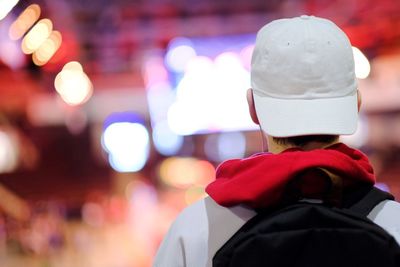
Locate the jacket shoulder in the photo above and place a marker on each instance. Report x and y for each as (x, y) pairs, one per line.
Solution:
(198, 232)
(387, 215)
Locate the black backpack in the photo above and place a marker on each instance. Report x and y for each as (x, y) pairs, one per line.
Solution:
(314, 235)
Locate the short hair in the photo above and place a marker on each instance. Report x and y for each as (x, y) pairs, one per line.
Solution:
(305, 139)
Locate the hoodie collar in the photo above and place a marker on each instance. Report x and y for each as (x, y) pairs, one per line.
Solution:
(260, 180)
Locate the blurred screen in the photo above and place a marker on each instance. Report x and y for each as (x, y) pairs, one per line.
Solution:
(199, 85)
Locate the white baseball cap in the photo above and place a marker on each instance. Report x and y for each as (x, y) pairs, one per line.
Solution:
(303, 78)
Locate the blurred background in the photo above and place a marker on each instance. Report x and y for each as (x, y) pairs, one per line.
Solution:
(115, 114)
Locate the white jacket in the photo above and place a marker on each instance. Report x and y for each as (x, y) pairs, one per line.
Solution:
(201, 229)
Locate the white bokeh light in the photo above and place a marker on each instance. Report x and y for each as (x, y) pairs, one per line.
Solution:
(206, 86)
(231, 145)
(225, 146)
(178, 57)
(8, 153)
(245, 56)
(159, 97)
(6, 7)
(202, 86)
(128, 146)
(36, 36)
(362, 65)
(360, 137)
(73, 85)
(166, 141)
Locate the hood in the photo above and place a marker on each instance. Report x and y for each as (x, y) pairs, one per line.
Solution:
(260, 180)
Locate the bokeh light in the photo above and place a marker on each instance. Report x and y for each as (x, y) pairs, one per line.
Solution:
(179, 54)
(6, 6)
(154, 71)
(73, 66)
(8, 153)
(205, 85)
(199, 64)
(188, 87)
(206, 172)
(159, 97)
(10, 51)
(73, 85)
(245, 56)
(362, 65)
(36, 36)
(186, 172)
(48, 48)
(127, 144)
(24, 21)
(360, 137)
(223, 146)
(166, 141)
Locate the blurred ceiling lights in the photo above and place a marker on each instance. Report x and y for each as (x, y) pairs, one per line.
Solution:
(73, 85)
(39, 39)
(47, 49)
(24, 22)
(36, 36)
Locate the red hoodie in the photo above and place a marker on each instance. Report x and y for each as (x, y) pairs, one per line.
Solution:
(260, 180)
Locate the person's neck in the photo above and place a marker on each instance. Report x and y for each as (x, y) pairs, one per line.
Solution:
(276, 148)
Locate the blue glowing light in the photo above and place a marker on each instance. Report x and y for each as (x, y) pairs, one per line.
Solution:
(126, 142)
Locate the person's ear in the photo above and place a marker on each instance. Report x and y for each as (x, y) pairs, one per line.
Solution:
(252, 107)
(358, 100)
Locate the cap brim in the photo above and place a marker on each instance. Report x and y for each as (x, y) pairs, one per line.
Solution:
(294, 117)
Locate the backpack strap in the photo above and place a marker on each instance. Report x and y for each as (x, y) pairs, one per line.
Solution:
(369, 201)
(361, 201)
